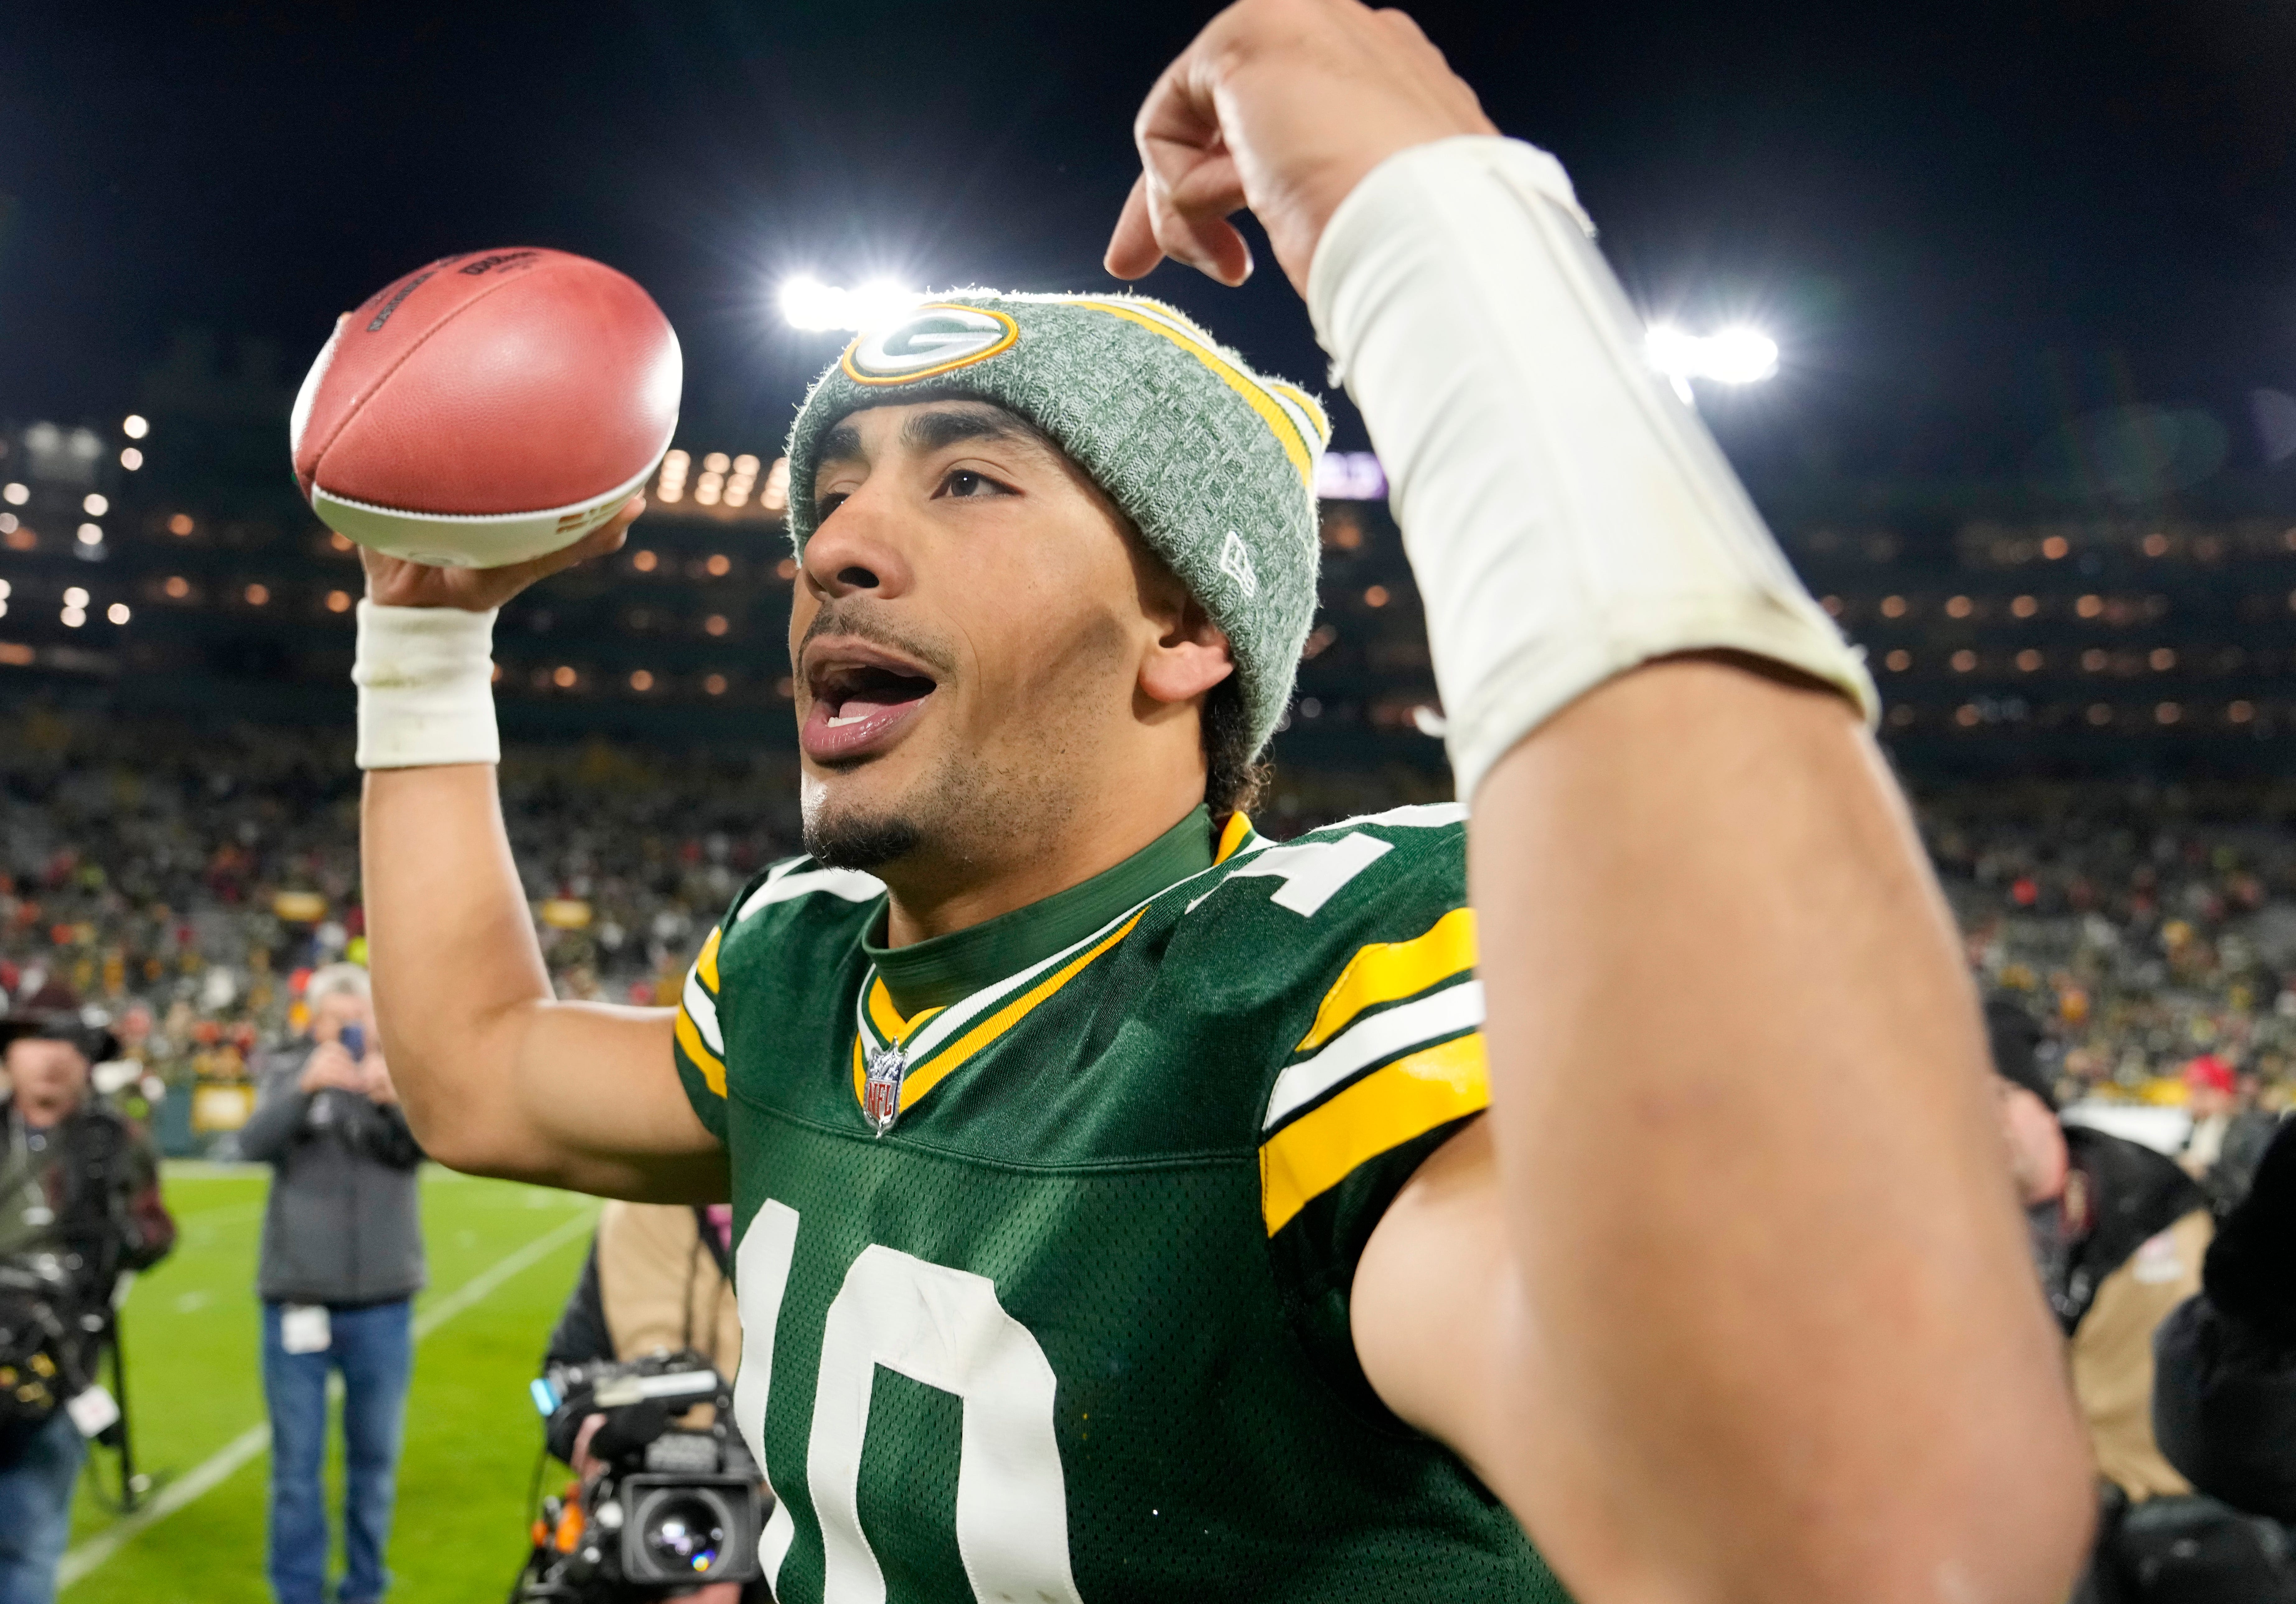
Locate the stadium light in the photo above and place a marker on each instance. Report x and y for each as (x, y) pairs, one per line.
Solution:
(808, 303)
(1738, 355)
(134, 426)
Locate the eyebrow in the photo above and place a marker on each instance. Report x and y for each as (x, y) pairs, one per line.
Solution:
(937, 428)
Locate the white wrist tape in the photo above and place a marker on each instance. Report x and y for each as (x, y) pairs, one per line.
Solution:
(425, 681)
(1566, 515)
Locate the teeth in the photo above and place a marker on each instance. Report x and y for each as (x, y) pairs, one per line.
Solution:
(839, 724)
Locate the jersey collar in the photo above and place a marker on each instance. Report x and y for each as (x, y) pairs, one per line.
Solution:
(933, 974)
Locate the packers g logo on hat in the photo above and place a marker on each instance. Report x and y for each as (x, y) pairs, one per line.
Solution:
(930, 340)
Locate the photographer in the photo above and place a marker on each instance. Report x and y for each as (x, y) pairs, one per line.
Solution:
(656, 1283)
(80, 1205)
(342, 1259)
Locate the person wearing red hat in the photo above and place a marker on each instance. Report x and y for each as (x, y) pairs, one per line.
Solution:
(2228, 1138)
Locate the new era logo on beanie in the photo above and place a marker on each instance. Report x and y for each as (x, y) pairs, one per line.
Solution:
(1214, 464)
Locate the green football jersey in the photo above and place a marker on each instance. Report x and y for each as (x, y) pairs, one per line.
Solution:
(1044, 1287)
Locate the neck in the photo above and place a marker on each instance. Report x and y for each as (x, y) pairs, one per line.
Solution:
(1035, 859)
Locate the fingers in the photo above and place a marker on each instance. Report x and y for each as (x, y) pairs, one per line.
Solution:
(1132, 249)
(1188, 185)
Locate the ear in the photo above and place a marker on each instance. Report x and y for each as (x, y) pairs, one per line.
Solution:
(1188, 657)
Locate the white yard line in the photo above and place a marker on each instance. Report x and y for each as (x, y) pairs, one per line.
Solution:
(217, 1467)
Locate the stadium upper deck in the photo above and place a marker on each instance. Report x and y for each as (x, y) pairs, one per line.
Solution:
(176, 568)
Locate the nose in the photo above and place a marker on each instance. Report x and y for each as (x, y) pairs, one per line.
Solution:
(856, 550)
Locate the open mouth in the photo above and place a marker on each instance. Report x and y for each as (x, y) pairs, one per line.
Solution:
(855, 693)
(862, 699)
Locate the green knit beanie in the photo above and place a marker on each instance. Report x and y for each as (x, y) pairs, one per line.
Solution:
(1214, 464)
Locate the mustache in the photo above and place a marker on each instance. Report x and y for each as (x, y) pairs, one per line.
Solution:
(864, 620)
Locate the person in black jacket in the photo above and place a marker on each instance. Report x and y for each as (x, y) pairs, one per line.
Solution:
(2224, 1406)
(342, 1259)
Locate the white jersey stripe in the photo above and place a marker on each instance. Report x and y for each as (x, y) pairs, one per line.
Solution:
(703, 1012)
(1374, 1041)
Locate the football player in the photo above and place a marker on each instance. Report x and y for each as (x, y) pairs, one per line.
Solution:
(1129, 1207)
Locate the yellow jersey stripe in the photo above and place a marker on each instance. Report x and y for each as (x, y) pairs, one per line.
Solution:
(1388, 971)
(981, 1036)
(1407, 1099)
(706, 966)
(1234, 834)
(690, 1043)
(882, 1013)
(1280, 421)
(860, 1072)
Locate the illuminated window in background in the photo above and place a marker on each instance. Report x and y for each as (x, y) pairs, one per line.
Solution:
(670, 484)
(2163, 659)
(181, 524)
(1964, 661)
(563, 677)
(1960, 607)
(2024, 607)
(2156, 545)
(1893, 607)
(715, 624)
(338, 602)
(641, 680)
(2095, 659)
(715, 684)
(2089, 607)
(2240, 712)
(256, 594)
(1898, 661)
(2029, 660)
(2168, 712)
(644, 561)
(2055, 547)
(720, 565)
(177, 587)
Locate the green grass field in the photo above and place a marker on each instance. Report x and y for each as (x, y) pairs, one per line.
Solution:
(503, 1259)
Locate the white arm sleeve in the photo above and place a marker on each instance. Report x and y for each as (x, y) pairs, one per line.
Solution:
(425, 678)
(1566, 515)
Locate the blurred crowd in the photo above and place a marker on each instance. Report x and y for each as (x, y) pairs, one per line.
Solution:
(2149, 929)
(186, 881)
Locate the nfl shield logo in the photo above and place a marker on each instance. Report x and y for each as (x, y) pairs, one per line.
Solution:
(880, 1094)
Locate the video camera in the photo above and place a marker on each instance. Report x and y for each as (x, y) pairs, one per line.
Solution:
(674, 1507)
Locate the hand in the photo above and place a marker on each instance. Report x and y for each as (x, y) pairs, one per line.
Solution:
(331, 1065)
(1281, 106)
(378, 1085)
(584, 1466)
(395, 582)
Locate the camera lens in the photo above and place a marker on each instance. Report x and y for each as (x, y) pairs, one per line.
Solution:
(685, 1533)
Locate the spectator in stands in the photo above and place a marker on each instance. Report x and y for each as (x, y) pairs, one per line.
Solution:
(342, 1259)
(2229, 1132)
(79, 1204)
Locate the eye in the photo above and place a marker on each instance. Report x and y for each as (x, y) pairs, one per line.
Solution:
(824, 506)
(967, 482)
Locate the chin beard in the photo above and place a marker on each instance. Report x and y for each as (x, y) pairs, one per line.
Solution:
(859, 843)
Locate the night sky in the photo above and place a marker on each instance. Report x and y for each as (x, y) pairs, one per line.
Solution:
(1964, 222)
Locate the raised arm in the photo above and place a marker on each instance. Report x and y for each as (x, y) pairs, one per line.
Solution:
(1727, 1298)
(497, 1078)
